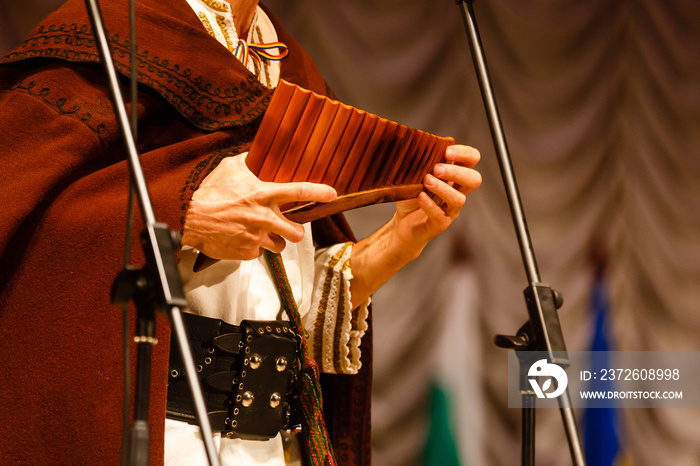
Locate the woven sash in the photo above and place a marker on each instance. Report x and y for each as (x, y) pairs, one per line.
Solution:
(318, 445)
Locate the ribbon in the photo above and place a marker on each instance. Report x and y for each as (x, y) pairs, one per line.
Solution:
(244, 51)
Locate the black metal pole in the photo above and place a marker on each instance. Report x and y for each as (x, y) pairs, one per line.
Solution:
(528, 429)
(504, 161)
(543, 331)
(158, 284)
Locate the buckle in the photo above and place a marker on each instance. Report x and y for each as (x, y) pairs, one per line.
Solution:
(263, 400)
(248, 374)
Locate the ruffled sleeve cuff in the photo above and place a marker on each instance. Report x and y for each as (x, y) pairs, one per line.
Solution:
(335, 329)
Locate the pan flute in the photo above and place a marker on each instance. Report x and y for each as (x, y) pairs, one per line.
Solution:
(304, 136)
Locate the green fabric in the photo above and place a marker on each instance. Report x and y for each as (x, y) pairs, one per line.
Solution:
(441, 448)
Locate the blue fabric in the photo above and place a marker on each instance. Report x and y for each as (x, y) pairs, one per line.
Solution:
(600, 436)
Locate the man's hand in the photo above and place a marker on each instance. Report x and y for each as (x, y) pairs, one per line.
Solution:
(416, 221)
(234, 215)
(419, 220)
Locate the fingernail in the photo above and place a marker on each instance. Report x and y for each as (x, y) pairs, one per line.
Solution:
(430, 180)
(451, 152)
(439, 170)
(331, 193)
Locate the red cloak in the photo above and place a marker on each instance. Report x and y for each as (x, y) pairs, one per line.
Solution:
(65, 182)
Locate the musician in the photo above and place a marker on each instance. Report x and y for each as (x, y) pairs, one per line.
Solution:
(65, 179)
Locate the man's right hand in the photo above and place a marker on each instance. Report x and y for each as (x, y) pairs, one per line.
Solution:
(233, 215)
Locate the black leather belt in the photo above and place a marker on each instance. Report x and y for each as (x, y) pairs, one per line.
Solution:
(248, 375)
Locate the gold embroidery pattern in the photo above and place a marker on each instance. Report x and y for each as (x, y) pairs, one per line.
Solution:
(340, 319)
(206, 24)
(216, 5)
(265, 63)
(221, 22)
(323, 303)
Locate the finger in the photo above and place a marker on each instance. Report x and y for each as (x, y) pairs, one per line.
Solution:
(434, 212)
(462, 178)
(265, 221)
(302, 192)
(280, 226)
(462, 155)
(453, 198)
(274, 243)
(248, 254)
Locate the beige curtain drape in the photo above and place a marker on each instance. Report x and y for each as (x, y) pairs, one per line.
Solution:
(600, 102)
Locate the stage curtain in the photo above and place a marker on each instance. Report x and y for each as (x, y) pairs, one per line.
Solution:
(600, 102)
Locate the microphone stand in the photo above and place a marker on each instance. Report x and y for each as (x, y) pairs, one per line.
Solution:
(542, 332)
(156, 285)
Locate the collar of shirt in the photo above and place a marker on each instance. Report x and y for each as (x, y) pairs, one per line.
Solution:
(217, 19)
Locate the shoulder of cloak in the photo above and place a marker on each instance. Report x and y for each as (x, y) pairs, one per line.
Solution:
(212, 90)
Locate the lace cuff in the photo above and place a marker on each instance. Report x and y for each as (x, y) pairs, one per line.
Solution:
(335, 328)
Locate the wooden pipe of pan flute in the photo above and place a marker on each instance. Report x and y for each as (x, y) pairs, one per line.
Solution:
(304, 136)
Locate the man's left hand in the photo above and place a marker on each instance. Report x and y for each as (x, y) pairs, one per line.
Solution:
(419, 220)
